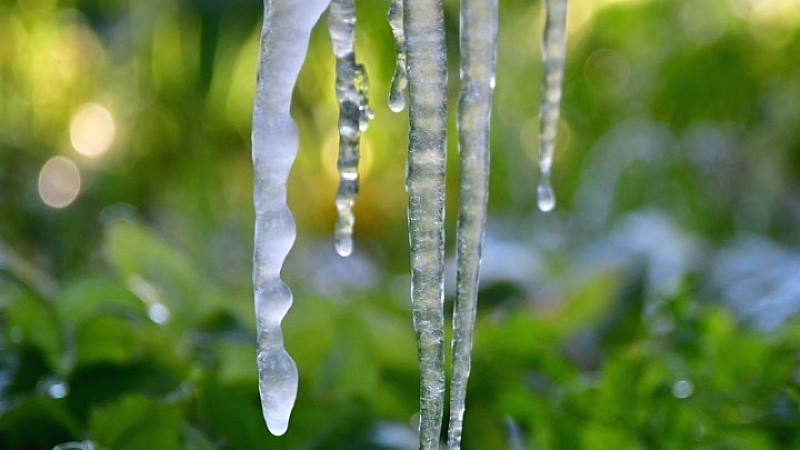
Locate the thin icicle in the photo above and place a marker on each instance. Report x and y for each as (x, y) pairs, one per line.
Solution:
(397, 94)
(423, 23)
(478, 57)
(553, 52)
(284, 43)
(352, 88)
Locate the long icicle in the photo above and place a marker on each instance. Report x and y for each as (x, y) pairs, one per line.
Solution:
(478, 58)
(284, 43)
(397, 94)
(553, 52)
(354, 114)
(423, 23)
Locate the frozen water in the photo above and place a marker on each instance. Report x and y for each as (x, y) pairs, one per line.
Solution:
(553, 52)
(478, 60)
(284, 43)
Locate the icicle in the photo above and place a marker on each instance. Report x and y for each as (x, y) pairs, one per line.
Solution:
(284, 43)
(397, 94)
(478, 56)
(553, 52)
(352, 87)
(423, 23)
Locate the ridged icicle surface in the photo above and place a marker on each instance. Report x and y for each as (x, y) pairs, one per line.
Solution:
(553, 53)
(284, 43)
(423, 24)
(352, 92)
(478, 58)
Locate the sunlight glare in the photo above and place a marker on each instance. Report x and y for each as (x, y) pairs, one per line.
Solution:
(92, 130)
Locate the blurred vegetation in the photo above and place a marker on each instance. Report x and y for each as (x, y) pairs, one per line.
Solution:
(126, 312)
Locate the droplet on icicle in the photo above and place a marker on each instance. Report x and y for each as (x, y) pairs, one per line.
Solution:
(397, 93)
(352, 93)
(547, 197)
(553, 53)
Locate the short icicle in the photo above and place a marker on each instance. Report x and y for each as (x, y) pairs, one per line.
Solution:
(553, 53)
(423, 24)
(284, 43)
(397, 93)
(478, 58)
(354, 115)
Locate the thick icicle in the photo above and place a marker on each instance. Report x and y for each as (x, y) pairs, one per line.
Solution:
(423, 23)
(397, 94)
(478, 57)
(354, 114)
(284, 43)
(553, 52)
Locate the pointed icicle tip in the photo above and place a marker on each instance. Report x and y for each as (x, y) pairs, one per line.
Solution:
(277, 426)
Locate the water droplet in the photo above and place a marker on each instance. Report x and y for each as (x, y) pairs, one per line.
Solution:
(416, 421)
(397, 101)
(547, 198)
(344, 245)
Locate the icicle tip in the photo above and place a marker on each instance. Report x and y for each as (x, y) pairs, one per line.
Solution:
(344, 245)
(547, 198)
(277, 427)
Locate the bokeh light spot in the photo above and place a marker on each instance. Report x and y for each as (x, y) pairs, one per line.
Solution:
(92, 130)
(682, 389)
(59, 182)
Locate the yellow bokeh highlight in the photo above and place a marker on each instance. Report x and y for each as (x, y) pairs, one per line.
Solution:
(92, 130)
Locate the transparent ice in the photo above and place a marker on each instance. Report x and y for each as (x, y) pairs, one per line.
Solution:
(423, 23)
(284, 43)
(478, 60)
(352, 88)
(397, 94)
(421, 68)
(553, 53)
(84, 445)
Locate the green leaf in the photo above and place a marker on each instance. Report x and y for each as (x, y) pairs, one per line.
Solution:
(161, 272)
(236, 363)
(351, 369)
(234, 416)
(194, 439)
(37, 423)
(587, 304)
(31, 319)
(93, 295)
(106, 339)
(136, 422)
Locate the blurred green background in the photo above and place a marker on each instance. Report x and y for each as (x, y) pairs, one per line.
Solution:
(653, 309)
